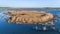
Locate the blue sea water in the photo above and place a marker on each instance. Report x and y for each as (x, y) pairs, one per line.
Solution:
(6, 28)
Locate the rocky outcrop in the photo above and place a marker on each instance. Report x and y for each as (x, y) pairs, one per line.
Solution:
(25, 17)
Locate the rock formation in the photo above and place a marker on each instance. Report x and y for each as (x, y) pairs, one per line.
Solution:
(25, 17)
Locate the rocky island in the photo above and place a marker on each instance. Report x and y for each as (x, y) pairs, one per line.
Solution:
(29, 17)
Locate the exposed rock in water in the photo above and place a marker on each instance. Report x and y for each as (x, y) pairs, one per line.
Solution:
(25, 17)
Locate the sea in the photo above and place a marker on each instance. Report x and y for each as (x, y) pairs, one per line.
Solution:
(10, 28)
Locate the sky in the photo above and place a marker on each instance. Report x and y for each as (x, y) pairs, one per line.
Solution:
(29, 3)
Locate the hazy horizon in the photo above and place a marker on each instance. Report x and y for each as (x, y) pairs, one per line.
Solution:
(29, 3)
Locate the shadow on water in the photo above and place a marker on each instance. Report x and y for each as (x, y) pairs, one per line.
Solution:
(6, 28)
